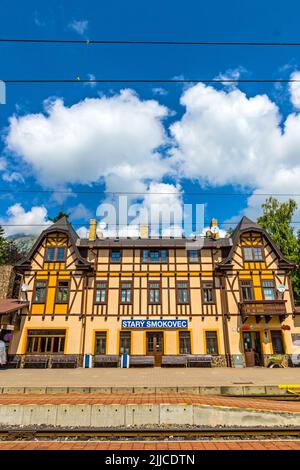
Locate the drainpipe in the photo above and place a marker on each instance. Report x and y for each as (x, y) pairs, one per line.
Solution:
(83, 313)
(224, 304)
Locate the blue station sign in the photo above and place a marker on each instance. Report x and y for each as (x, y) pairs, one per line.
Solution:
(152, 324)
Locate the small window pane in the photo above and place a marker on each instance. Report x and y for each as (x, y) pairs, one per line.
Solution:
(40, 292)
(268, 290)
(126, 293)
(61, 253)
(164, 256)
(100, 342)
(154, 256)
(100, 295)
(125, 342)
(211, 342)
(145, 255)
(154, 292)
(277, 342)
(50, 254)
(182, 292)
(193, 256)
(248, 254)
(208, 293)
(184, 342)
(247, 290)
(115, 256)
(63, 292)
(258, 255)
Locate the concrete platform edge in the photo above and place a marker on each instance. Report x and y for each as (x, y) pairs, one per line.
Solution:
(247, 390)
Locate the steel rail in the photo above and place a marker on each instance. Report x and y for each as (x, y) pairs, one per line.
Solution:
(187, 433)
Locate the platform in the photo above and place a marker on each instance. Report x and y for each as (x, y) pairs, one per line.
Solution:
(116, 410)
(148, 377)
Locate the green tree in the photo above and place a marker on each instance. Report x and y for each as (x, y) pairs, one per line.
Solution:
(9, 253)
(59, 216)
(277, 221)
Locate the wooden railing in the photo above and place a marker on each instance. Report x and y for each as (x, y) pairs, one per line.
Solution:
(261, 308)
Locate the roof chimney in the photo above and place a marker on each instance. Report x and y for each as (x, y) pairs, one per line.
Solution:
(92, 232)
(144, 231)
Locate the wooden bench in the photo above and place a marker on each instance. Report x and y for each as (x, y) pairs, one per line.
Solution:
(35, 361)
(173, 361)
(106, 360)
(64, 361)
(199, 360)
(13, 361)
(141, 361)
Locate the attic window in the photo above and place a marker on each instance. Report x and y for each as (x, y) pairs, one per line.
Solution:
(253, 253)
(55, 253)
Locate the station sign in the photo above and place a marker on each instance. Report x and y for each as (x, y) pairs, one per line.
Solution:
(153, 324)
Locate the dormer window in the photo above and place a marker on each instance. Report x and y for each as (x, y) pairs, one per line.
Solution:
(155, 256)
(55, 253)
(252, 253)
(115, 256)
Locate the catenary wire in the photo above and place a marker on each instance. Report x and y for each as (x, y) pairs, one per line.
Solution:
(150, 80)
(151, 42)
(146, 193)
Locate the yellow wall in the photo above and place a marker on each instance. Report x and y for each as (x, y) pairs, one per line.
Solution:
(108, 318)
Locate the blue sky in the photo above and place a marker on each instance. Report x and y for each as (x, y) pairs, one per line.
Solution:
(217, 140)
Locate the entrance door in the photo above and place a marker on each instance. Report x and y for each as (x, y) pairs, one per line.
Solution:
(155, 346)
(252, 348)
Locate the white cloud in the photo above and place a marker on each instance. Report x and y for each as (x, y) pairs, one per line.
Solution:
(227, 138)
(83, 232)
(80, 26)
(161, 209)
(159, 91)
(30, 222)
(13, 176)
(231, 74)
(109, 138)
(80, 212)
(294, 88)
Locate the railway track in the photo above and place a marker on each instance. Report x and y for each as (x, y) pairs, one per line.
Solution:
(85, 434)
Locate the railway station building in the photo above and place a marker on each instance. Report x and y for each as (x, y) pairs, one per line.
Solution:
(200, 301)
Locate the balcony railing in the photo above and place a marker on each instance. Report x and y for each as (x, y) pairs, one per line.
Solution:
(263, 309)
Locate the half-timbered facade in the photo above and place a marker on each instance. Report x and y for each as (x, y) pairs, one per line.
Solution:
(225, 302)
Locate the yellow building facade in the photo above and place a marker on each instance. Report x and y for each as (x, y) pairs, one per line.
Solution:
(163, 301)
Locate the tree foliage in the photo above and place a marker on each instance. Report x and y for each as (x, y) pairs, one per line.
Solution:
(9, 253)
(277, 221)
(59, 216)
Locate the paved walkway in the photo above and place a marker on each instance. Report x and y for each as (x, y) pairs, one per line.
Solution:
(137, 399)
(156, 377)
(187, 445)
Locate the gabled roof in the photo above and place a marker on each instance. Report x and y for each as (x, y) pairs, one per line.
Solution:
(62, 225)
(246, 225)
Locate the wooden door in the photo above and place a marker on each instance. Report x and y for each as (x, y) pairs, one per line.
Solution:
(252, 348)
(155, 346)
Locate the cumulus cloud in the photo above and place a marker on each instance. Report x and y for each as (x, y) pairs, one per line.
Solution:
(18, 220)
(80, 26)
(231, 74)
(80, 212)
(113, 139)
(228, 138)
(161, 208)
(224, 137)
